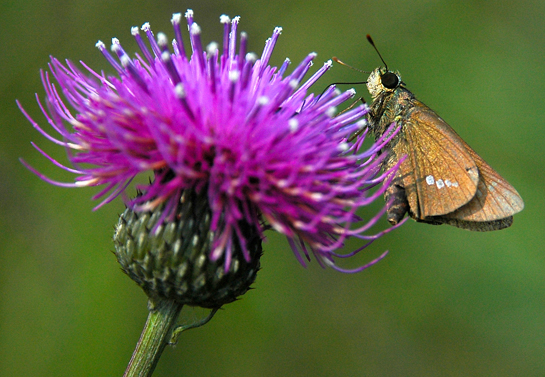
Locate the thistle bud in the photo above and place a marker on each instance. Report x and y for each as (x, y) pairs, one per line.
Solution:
(171, 259)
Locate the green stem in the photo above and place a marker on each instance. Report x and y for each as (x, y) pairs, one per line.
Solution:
(156, 335)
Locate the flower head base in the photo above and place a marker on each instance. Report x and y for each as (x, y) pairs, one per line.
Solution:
(223, 124)
(170, 260)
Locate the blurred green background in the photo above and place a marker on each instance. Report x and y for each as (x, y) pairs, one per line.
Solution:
(445, 302)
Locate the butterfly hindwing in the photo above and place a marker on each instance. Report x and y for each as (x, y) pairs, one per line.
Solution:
(495, 201)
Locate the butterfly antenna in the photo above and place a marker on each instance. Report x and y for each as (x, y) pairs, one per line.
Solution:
(344, 83)
(337, 60)
(376, 49)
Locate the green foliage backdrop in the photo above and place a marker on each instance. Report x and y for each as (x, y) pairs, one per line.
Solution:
(445, 302)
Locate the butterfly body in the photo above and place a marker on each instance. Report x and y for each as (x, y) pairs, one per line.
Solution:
(442, 180)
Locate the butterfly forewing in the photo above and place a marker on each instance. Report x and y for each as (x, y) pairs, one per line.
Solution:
(445, 174)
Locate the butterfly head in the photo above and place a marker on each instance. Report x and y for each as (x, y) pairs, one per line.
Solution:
(383, 80)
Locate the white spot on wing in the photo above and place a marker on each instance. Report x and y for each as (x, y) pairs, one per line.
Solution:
(430, 180)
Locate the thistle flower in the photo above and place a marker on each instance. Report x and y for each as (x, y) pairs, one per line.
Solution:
(222, 131)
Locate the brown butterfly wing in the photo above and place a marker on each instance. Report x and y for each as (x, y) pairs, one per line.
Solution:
(494, 204)
(444, 174)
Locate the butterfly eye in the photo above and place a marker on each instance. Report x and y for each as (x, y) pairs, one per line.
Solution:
(389, 80)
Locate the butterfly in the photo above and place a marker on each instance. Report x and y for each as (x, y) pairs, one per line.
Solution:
(442, 179)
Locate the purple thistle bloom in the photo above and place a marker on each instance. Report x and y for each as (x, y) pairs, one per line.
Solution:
(224, 121)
